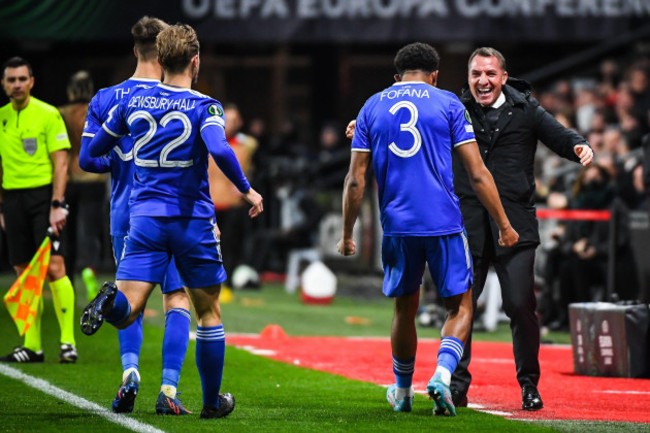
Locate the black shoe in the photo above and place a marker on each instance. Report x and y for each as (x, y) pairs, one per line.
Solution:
(23, 355)
(95, 312)
(459, 398)
(226, 405)
(530, 399)
(68, 354)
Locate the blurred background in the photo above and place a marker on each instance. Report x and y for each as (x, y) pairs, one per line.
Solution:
(296, 71)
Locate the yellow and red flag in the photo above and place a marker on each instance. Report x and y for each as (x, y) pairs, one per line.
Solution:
(23, 297)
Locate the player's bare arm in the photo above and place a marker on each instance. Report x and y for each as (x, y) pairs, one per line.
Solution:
(483, 183)
(256, 201)
(353, 189)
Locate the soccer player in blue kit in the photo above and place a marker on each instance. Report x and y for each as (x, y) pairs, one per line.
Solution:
(119, 162)
(174, 130)
(409, 131)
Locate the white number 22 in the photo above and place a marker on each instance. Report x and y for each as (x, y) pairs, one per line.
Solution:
(164, 153)
(409, 127)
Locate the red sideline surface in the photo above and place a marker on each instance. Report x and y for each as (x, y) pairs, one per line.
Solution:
(566, 395)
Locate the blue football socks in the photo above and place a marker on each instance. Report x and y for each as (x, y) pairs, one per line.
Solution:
(175, 340)
(449, 354)
(403, 372)
(130, 344)
(210, 354)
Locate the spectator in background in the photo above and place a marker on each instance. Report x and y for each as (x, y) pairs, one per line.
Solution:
(34, 152)
(332, 158)
(627, 117)
(299, 217)
(86, 192)
(584, 244)
(646, 169)
(609, 77)
(639, 88)
(230, 208)
(586, 110)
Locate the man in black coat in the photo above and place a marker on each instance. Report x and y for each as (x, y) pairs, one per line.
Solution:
(508, 122)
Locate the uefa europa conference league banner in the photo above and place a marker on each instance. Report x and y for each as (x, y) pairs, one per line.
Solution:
(332, 20)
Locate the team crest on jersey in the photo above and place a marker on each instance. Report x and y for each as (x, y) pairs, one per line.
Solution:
(215, 110)
(469, 119)
(30, 145)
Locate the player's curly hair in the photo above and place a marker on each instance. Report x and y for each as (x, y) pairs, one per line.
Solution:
(176, 46)
(144, 34)
(487, 52)
(417, 56)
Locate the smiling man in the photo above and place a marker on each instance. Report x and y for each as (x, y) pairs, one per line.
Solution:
(508, 123)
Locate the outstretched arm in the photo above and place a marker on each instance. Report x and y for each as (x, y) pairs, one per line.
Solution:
(353, 189)
(483, 183)
(561, 140)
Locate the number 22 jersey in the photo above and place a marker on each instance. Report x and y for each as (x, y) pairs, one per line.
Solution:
(169, 154)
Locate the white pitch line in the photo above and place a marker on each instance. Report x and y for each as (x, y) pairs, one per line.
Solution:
(623, 392)
(497, 412)
(48, 388)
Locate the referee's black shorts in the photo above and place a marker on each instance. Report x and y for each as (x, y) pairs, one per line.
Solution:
(27, 218)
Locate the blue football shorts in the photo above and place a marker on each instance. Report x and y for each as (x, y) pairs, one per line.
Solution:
(193, 243)
(404, 259)
(171, 281)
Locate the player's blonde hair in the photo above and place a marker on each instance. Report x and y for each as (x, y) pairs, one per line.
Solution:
(176, 46)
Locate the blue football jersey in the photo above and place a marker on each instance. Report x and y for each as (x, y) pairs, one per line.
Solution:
(120, 157)
(411, 128)
(169, 154)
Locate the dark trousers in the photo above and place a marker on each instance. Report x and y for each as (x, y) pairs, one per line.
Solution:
(515, 273)
(86, 226)
(234, 224)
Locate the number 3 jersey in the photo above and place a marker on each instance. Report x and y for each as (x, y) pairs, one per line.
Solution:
(411, 128)
(169, 153)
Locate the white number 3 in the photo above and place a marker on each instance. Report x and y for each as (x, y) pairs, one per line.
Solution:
(409, 127)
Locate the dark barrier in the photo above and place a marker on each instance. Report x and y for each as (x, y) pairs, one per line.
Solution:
(610, 339)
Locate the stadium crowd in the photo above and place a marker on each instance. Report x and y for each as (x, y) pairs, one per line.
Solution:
(611, 107)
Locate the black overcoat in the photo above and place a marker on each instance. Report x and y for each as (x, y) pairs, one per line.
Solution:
(509, 154)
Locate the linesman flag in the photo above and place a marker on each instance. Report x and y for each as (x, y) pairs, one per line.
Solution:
(25, 294)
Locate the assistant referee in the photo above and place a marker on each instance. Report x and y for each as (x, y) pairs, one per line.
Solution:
(34, 152)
